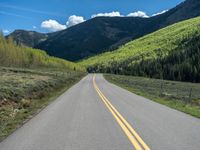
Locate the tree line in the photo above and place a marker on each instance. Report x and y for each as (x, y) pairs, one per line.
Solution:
(181, 64)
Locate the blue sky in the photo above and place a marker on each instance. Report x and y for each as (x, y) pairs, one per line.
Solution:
(53, 15)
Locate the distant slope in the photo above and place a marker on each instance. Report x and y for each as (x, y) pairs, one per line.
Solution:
(28, 38)
(12, 55)
(102, 34)
(170, 53)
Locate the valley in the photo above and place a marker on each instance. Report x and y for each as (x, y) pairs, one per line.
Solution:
(125, 80)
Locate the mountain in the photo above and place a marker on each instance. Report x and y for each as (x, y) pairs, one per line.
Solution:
(171, 53)
(103, 34)
(28, 38)
(95, 36)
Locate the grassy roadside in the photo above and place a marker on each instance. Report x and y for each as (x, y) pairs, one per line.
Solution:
(181, 96)
(24, 92)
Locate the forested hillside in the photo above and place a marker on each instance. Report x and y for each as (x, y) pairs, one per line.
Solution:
(13, 55)
(171, 53)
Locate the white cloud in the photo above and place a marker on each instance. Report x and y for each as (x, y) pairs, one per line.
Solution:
(138, 14)
(74, 20)
(5, 32)
(111, 14)
(34, 27)
(159, 13)
(52, 25)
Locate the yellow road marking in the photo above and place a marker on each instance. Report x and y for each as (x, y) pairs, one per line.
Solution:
(132, 135)
(128, 126)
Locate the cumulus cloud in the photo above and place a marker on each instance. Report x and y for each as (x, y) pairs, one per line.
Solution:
(52, 25)
(74, 20)
(111, 14)
(159, 13)
(138, 14)
(34, 27)
(5, 32)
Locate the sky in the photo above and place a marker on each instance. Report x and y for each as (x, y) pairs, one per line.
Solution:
(54, 15)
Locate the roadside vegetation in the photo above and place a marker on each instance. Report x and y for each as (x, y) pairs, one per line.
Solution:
(29, 81)
(182, 96)
(172, 53)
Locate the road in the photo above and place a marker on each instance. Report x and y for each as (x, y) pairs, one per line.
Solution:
(97, 115)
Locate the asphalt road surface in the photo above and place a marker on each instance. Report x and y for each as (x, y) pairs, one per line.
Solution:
(97, 115)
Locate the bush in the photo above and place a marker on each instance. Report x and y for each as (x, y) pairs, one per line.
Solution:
(25, 103)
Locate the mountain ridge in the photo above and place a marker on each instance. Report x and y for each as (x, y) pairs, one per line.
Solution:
(102, 34)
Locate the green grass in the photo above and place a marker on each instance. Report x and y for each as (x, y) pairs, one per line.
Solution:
(23, 92)
(182, 96)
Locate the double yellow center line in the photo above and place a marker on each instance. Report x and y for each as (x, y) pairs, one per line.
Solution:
(132, 135)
